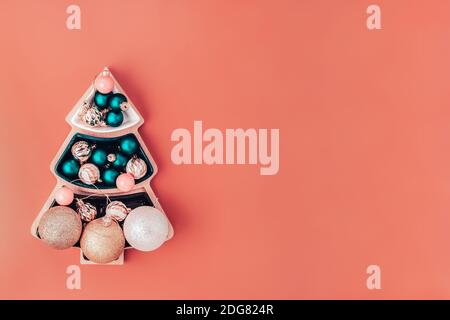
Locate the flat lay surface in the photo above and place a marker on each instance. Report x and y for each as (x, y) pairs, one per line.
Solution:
(364, 130)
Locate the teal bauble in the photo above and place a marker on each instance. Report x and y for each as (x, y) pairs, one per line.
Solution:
(115, 100)
(99, 157)
(121, 161)
(70, 168)
(114, 119)
(101, 99)
(110, 176)
(129, 145)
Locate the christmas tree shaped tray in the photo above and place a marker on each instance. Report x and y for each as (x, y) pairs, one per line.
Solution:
(102, 147)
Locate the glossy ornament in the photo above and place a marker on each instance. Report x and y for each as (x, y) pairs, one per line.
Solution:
(111, 157)
(60, 227)
(129, 145)
(115, 100)
(125, 182)
(64, 196)
(99, 157)
(146, 228)
(109, 176)
(87, 211)
(120, 161)
(81, 150)
(117, 210)
(89, 173)
(114, 119)
(102, 240)
(93, 117)
(124, 106)
(70, 168)
(136, 167)
(104, 83)
(101, 99)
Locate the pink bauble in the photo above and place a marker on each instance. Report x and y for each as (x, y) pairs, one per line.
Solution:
(125, 182)
(64, 196)
(104, 84)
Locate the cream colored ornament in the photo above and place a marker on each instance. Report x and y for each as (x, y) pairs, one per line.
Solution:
(81, 150)
(89, 173)
(136, 167)
(117, 210)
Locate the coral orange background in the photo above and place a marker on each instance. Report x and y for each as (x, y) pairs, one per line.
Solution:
(364, 119)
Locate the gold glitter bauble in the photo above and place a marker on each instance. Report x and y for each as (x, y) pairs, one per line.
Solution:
(60, 227)
(102, 240)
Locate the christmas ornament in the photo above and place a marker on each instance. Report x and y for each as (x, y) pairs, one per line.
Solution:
(117, 210)
(99, 157)
(146, 228)
(104, 83)
(125, 182)
(110, 176)
(111, 157)
(70, 168)
(114, 119)
(136, 167)
(60, 227)
(102, 240)
(129, 145)
(89, 173)
(81, 151)
(101, 99)
(93, 117)
(120, 161)
(86, 210)
(64, 196)
(124, 106)
(115, 101)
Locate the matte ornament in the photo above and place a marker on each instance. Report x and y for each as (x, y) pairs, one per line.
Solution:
(117, 210)
(81, 151)
(116, 100)
(125, 182)
(120, 161)
(110, 176)
(60, 227)
(104, 83)
(146, 228)
(101, 99)
(86, 210)
(89, 173)
(136, 167)
(64, 196)
(102, 240)
(114, 119)
(129, 145)
(99, 157)
(70, 168)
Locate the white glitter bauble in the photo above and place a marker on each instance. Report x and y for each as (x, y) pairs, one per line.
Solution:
(146, 228)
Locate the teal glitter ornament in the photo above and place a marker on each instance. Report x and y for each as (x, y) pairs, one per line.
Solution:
(129, 145)
(121, 161)
(110, 176)
(99, 157)
(101, 99)
(115, 100)
(114, 119)
(70, 168)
